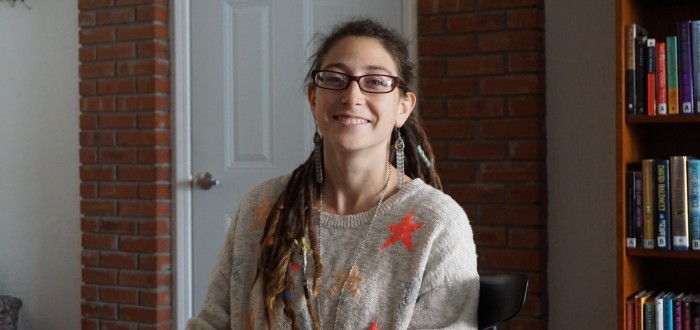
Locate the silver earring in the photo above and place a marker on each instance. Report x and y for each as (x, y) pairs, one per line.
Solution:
(399, 145)
(318, 157)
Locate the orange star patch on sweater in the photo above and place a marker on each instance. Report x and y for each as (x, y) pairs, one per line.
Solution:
(403, 231)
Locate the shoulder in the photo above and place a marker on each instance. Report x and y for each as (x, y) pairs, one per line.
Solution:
(269, 189)
(435, 206)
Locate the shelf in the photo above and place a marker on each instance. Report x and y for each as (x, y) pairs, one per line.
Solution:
(692, 254)
(665, 119)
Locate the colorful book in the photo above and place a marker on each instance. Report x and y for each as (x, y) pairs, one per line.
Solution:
(672, 74)
(640, 43)
(678, 311)
(694, 202)
(634, 208)
(639, 299)
(668, 311)
(648, 202)
(679, 202)
(695, 51)
(632, 32)
(659, 310)
(685, 68)
(662, 210)
(651, 76)
(629, 313)
(661, 88)
(649, 314)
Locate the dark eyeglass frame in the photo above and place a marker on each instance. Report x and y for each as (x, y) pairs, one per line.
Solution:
(397, 82)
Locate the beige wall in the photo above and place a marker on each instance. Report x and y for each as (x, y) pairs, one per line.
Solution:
(39, 203)
(580, 68)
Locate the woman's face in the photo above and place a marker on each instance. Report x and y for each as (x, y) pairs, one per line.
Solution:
(351, 119)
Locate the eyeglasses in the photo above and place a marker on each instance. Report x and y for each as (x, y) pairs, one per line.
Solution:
(370, 83)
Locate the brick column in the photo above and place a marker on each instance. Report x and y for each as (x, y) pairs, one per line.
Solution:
(482, 100)
(125, 164)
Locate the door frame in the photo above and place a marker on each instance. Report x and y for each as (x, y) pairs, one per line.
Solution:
(181, 248)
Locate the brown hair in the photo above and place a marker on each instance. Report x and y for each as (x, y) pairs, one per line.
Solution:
(293, 214)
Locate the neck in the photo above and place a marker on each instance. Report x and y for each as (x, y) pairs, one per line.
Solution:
(354, 184)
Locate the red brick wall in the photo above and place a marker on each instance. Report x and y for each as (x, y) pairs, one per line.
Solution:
(125, 164)
(482, 99)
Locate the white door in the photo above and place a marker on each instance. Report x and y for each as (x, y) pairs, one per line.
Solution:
(250, 120)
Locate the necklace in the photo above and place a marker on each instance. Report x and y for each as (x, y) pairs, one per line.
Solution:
(357, 254)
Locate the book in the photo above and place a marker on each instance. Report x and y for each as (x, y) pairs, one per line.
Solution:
(695, 51)
(651, 76)
(632, 31)
(668, 311)
(639, 299)
(650, 313)
(662, 210)
(695, 313)
(648, 202)
(679, 202)
(693, 166)
(685, 312)
(685, 68)
(634, 209)
(629, 313)
(640, 43)
(661, 89)
(677, 311)
(659, 310)
(672, 74)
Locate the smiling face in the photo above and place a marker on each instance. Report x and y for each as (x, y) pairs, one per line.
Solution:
(351, 119)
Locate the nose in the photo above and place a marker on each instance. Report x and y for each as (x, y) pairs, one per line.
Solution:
(353, 92)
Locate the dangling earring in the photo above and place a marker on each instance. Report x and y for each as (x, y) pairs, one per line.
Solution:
(318, 157)
(399, 145)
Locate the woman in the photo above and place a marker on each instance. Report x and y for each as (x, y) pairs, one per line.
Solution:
(360, 235)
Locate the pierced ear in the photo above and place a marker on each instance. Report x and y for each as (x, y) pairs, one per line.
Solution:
(406, 106)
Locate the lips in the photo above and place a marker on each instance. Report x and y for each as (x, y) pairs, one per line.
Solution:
(349, 120)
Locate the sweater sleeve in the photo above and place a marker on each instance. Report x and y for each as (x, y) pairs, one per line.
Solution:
(449, 297)
(216, 312)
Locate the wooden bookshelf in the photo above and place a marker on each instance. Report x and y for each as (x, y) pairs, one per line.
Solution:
(640, 137)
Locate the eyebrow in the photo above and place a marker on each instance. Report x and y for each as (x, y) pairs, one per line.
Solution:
(342, 66)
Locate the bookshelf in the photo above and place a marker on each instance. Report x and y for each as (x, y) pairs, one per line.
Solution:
(640, 137)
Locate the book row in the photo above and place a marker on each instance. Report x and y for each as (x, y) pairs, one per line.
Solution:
(662, 73)
(663, 204)
(647, 310)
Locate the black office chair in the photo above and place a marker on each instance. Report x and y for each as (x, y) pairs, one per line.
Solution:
(501, 297)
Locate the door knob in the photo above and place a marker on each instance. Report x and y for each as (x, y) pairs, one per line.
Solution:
(205, 181)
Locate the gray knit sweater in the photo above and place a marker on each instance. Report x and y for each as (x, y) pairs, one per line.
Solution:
(417, 269)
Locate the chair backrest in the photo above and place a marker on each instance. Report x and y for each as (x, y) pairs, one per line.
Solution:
(501, 297)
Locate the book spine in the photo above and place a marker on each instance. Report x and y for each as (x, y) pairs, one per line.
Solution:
(630, 86)
(649, 312)
(640, 77)
(638, 209)
(694, 202)
(661, 88)
(695, 44)
(651, 76)
(685, 68)
(695, 313)
(672, 74)
(662, 212)
(679, 202)
(648, 202)
(629, 313)
(668, 311)
(631, 235)
(659, 310)
(685, 314)
(677, 311)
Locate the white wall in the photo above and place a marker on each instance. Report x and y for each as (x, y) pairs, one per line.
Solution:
(39, 183)
(580, 52)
